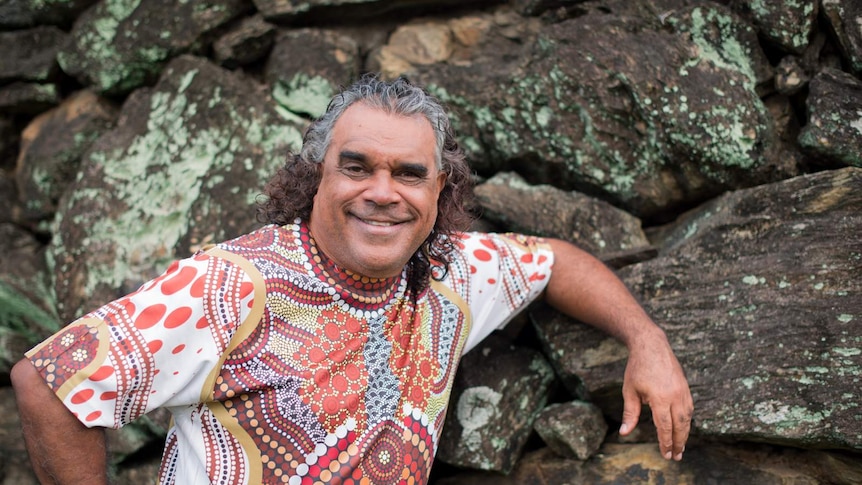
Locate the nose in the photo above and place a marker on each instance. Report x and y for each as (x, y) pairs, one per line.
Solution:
(382, 189)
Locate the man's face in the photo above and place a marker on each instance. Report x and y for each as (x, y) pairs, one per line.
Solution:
(377, 200)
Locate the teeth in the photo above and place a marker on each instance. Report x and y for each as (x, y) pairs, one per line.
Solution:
(381, 224)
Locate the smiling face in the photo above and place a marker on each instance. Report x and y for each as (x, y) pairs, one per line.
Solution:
(377, 199)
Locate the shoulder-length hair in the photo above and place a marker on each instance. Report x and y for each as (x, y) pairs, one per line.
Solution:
(290, 193)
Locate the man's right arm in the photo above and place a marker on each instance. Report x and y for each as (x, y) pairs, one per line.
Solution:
(62, 450)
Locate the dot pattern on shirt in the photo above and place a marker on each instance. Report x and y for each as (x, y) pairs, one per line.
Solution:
(280, 367)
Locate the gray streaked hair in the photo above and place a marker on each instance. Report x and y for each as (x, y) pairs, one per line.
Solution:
(289, 195)
(398, 97)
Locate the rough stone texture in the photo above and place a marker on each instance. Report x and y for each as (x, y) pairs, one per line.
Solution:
(834, 128)
(247, 42)
(51, 149)
(27, 312)
(573, 430)
(845, 18)
(9, 138)
(639, 69)
(767, 332)
(637, 126)
(786, 23)
(24, 98)
(181, 169)
(14, 462)
(543, 210)
(498, 392)
(642, 464)
(118, 46)
(296, 12)
(308, 66)
(17, 14)
(790, 76)
(30, 55)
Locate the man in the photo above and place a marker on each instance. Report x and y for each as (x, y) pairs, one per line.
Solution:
(322, 348)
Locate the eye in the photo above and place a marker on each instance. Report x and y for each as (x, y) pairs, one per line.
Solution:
(410, 176)
(353, 170)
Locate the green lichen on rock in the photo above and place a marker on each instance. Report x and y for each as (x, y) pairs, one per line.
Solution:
(304, 94)
(188, 163)
(788, 22)
(98, 40)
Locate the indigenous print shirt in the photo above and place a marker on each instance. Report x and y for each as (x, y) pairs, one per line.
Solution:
(279, 367)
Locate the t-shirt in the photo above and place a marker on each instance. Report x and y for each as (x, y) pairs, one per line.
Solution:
(280, 367)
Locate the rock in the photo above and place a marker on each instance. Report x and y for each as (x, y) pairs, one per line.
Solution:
(297, 12)
(573, 430)
(116, 46)
(834, 128)
(498, 392)
(786, 23)
(28, 99)
(790, 76)
(308, 66)
(593, 225)
(9, 140)
(139, 473)
(15, 466)
(642, 464)
(181, 169)
(247, 42)
(672, 119)
(27, 306)
(18, 14)
(844, 17)
(51, 149)
(765, 332)
(30, 55)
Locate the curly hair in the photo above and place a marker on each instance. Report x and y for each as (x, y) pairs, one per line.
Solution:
(290, 193)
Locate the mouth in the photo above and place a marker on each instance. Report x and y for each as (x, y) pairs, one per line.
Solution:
(378, 223)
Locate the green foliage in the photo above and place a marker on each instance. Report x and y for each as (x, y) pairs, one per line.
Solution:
(21, 316)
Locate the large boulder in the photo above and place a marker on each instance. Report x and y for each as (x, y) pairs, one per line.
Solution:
(671, 119)
(788, 24)
(30, 55)
(642, 464)
(834, 98)
(182, 169)
(499, 391)
(117, 46)
(543, 210)
(17, 14)
(51, 149)
(307, 67)
(844, 18)
(767, 332)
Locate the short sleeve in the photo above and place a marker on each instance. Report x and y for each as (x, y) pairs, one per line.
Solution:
(156, 347)
(507, 272)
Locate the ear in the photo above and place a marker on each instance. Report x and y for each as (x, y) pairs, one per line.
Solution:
(441, 181)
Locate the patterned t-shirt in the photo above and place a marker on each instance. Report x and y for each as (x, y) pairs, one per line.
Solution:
(278, 367)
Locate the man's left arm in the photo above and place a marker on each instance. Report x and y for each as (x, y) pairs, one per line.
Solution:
(583, 288)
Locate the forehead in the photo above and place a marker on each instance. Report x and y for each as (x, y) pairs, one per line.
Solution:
(368, 128)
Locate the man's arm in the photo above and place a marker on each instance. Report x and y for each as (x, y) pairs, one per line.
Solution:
(584, 288)
(62, 450)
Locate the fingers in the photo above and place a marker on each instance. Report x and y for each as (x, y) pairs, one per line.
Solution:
(631, 412)
(673, 426)
(681, 429)
(664, 428)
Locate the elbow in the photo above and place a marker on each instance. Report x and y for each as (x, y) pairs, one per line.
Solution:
(24, 376)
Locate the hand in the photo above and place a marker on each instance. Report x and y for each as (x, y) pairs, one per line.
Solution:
(653, 376)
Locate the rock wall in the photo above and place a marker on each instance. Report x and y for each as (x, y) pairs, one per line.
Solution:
(711, 151)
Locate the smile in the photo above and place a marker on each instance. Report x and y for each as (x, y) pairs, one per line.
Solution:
(378, 223)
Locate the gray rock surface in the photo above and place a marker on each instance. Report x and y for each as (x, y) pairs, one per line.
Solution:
(767, 332)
